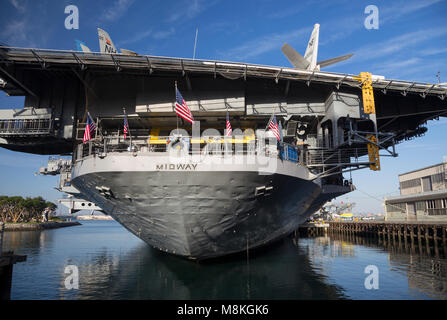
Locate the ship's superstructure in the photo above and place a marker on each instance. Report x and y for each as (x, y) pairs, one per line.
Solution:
(188, 189)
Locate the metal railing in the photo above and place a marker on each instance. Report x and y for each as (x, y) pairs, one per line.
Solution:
(320, 157)
(437, 212)
(217, 145)
(320, 161)
(26, 126)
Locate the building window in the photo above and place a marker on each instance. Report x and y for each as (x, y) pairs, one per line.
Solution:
(396, 207)
(420, 206)
(437, 207)
(410, 183)
(438, 178)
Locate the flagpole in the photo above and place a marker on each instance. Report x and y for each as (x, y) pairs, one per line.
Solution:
(128, 129)
(227, 118)
(176, 115)
(271, 117)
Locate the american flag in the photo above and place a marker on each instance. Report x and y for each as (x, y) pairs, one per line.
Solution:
(89, 127)
(181, 108)
(228, 130)
(126, 126)
(273, 125)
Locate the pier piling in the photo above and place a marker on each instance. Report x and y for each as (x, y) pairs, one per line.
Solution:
(432, 236)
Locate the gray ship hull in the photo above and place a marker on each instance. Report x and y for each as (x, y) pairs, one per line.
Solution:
(198, 214)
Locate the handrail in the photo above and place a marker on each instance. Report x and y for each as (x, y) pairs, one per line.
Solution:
(212, 145)
(26, 126)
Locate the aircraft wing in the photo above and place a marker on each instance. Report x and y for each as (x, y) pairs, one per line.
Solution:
(328, 62)
(294, 57)
(128, 52)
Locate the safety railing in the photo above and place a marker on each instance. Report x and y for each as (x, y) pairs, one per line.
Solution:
(319, 157)
(26, 126)
(437, 212)
(217, 145)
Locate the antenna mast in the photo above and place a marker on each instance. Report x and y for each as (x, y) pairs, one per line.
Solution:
(195, 44)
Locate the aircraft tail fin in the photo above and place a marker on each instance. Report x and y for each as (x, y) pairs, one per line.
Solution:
(329, 62)
(312, 48)
(294, 57)
(81, 46)
(105, 42)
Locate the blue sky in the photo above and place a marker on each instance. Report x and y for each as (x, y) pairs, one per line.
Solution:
(410, 44)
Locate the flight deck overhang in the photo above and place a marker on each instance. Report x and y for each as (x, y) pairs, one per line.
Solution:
(71, 83)
(79, 61)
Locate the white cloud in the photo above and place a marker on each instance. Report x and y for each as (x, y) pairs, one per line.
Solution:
(345, 26)
(157, 35)
(137, 37)
(163, 34)
(395, 65)
(19, 5)
(433, 51)
(399, 9)
(396, 44)
(17, 33)
(191, 9)
(291, 11)
(256, 47)
(116, 10)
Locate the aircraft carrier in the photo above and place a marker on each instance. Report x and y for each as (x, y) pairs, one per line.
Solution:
(190, 190)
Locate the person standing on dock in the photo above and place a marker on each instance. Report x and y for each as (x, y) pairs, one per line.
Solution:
(45, 214)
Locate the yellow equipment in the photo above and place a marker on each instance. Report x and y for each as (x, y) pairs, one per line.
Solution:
(367, 93)
(373, 153)
(369, 108)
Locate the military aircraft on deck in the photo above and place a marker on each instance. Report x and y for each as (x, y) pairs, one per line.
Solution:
(309, 61)
(105, 45)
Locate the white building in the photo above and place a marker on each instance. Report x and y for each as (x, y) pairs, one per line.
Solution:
(423, 196)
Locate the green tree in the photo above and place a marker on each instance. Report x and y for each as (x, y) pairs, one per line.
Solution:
(18, 209)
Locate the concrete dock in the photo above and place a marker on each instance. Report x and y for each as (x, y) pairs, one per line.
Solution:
(39, 226)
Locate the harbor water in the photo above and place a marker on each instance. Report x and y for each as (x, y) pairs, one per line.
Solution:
(114, 264)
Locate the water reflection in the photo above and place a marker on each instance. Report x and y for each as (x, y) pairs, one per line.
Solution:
(280, 272)
(114, 264)
(423, 265)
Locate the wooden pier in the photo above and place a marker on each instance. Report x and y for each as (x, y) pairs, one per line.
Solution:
(313, 229)
(408, 232)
